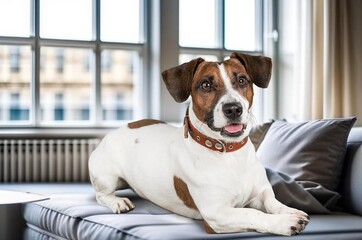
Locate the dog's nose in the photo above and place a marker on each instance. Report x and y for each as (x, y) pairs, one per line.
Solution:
(232, 110)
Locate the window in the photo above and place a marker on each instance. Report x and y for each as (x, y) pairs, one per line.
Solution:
(218, 27)
(66, 62)
(16, 111)
(60, 60)
(59, 107)
(15, 59)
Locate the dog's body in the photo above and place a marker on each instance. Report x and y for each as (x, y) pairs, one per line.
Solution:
(207, 169)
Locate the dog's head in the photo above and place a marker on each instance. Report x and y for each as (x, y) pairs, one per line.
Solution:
(222, 92)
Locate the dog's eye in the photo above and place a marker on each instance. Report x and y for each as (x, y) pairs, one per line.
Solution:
(242, 81)
(205, 86)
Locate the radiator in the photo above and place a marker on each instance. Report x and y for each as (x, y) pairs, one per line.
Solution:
(45, 160)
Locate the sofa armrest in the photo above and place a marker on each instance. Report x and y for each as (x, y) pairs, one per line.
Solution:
(352, 178)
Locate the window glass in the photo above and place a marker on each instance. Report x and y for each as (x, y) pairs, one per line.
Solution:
(119, 69)
(198, 23)
(202, 26)
(120, 21)
(65, 84)
(188, 57)
(66, 19)
(15, 79)
(15, 18)
(240, 25)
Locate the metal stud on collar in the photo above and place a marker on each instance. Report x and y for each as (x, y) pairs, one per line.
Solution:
(218, 146)
(208, 143)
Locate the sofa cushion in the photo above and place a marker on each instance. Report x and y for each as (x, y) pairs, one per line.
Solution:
(311, 151)
(78, 216)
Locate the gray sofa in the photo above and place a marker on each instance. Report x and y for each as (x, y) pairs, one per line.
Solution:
(72, 212)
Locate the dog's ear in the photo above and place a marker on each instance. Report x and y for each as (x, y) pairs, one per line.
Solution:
(178, 79)
(258, 67)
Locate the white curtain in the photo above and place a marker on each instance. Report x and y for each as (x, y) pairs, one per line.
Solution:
(330, 59)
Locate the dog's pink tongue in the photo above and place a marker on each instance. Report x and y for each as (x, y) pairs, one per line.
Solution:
(234, 128)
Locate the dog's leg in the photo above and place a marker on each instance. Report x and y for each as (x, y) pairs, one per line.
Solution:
(229, 220)
(105, 188)
(221, 217)
(267, 202)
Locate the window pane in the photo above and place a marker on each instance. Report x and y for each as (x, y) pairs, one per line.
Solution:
(66, 19)
(120, 21)
(119, 70)
(240, 25)
(15, 78)
(198, 23)
(15, 18)
(65, 84)
(188, 57)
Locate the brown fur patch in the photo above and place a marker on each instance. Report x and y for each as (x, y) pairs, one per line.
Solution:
(204, 102)
(183, 192)
(208, 228)
(232, 67)
(143, 123)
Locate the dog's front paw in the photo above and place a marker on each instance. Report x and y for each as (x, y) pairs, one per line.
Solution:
(291, 224)
(120, 205)
(299, 222)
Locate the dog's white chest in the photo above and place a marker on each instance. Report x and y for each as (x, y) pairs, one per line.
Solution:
(231, 173)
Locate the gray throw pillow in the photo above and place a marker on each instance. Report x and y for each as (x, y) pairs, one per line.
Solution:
(294, 194)
(311, 151)
(258, 133)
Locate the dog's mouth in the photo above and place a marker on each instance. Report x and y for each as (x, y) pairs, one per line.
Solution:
(233, 130)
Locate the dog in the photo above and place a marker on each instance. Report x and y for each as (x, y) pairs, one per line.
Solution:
(206, 169)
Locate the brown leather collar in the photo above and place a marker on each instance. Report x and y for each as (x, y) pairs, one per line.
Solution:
(210, 143)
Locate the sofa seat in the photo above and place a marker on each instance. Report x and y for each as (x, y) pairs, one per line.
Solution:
(78, 216)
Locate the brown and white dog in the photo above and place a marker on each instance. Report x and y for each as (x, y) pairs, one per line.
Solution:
(206, 169)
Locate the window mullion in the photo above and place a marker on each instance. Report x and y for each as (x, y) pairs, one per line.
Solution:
(35, 86)
(97, 101)
(221, 28)
(259, 18)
